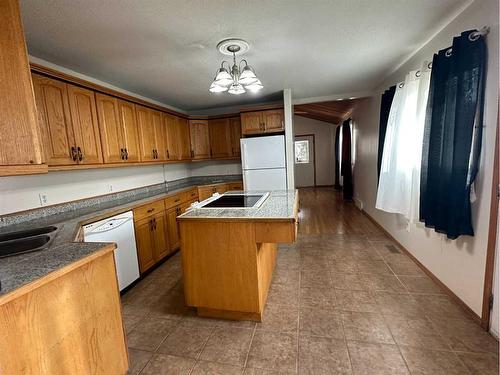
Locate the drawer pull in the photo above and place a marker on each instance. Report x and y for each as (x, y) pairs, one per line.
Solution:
(150, 210)
(177, 200)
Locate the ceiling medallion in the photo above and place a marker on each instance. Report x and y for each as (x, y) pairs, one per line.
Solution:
(235, 79)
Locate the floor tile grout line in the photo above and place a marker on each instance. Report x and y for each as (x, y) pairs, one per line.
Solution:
(250, 346)
(197, 359)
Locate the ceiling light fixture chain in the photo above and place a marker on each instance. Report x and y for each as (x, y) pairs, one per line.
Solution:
(235, 79)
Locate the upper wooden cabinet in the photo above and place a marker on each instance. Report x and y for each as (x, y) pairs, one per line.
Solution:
(200, 139)
(183, 138)
(178, 146)
(130, 132)
(68, 122)
(260, 122)
(20, 148)
(220, 138)
(235, 130)
(85, 125)
(151, 134)
(118, 128)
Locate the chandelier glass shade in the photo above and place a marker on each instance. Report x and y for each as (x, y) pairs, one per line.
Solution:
(236, 80)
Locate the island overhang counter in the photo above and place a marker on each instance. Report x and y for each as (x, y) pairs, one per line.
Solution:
(229, 254)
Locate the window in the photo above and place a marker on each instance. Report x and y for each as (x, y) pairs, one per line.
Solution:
(301, 152)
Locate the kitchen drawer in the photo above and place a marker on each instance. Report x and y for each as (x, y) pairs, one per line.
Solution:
(206, 191)
(174, 200)
(235, 186)
(148, 210)
(191, 195)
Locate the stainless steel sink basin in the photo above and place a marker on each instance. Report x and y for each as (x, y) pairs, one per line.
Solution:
(27, 233)
(26, 241)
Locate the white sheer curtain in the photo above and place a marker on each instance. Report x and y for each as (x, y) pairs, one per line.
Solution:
(399, 184)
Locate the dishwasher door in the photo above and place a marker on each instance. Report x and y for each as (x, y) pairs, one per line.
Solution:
(118, 229)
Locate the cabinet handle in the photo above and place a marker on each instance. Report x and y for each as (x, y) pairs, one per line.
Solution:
(154, 224)
(151, 225)
(122, 154)
(74, 155)
(126, 153)
(80, 153)
(168, 154)
(192, 153)
(177, 200)
(150, 210)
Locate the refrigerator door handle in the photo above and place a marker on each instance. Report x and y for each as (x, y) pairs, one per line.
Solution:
(243, 154)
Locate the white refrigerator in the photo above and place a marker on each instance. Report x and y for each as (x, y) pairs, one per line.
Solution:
(263, 163)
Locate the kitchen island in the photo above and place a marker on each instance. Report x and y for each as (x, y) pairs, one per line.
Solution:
(229, 254)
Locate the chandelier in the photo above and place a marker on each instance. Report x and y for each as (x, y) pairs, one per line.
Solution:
(236, 79)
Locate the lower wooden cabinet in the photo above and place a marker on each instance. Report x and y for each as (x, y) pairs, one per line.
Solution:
(151, 236)
(173, 227)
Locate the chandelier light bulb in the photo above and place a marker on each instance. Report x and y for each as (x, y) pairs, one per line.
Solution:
(236, 89)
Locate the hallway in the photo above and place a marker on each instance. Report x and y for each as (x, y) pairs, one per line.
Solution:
(344, 300)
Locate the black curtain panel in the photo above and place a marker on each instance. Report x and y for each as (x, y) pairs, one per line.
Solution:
(452, 135)
(385, 109)
(337, 161)
(346, 167)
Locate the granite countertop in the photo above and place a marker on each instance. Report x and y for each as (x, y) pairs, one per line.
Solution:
(19, 270)
(280, 205)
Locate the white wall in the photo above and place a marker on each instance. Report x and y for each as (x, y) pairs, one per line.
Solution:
(459, 264)
(19, 193)
(324, 144)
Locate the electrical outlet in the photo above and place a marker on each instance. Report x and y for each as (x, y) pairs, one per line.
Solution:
(43, 199)
(110, 188)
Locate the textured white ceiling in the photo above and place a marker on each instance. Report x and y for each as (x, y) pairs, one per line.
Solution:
(165, 49)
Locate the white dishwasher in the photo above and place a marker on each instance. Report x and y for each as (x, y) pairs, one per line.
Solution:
(118, 229)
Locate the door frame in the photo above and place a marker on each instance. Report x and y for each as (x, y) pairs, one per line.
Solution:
(492, 237)
(314, 153)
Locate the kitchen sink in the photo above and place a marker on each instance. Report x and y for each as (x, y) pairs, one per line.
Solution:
(26, 241)
(27, 233)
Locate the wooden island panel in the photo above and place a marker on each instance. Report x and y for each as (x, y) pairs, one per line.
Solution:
(227, 268)
(70, 324)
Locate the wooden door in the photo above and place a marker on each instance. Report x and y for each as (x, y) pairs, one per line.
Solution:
(273, 120)
(235, 130)
(85, 125)
(145, 243)
(56, 130)
(184, 138)
(200, 139)
(173, 227)
(19, 135)
(110, 128)
(130, 133)
(161, 248)
(251, 123)
(146, 133)
(171, 141)
(160, 140)
(220, 138)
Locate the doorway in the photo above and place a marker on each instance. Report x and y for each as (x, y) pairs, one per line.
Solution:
(305, 163)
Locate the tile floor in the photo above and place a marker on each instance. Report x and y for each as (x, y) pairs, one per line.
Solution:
(343, 300)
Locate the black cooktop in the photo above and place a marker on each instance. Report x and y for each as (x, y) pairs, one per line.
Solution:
(235, 200)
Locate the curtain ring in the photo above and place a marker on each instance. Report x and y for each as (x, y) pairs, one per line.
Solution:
(417, 73)
(475, 35)
(448, 52)
(401, 85)
(429, 65)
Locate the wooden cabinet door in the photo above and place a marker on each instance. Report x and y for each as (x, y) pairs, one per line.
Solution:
(159, 136)
(200, 139)
(19, 135)
(171, 138)
(273, 120)
(56, 130)
(145, 243)
(173, 227)
(85, 125)
(110, 128)
(220, 138)
(184, 138)
(130, 133)
(146, 133)
(251, 123)
(235, 130)
(161, 248)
